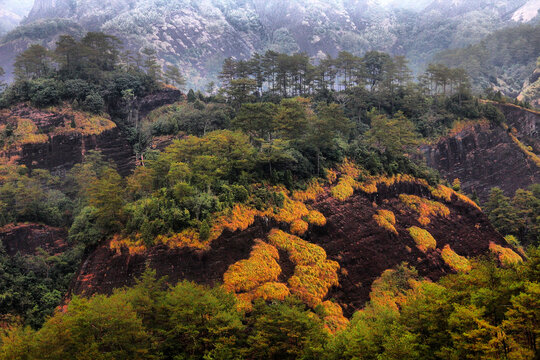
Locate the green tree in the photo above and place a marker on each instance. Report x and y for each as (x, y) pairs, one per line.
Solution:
(240, 91)
(2, 83)
(285, 331)
(501, 213)
(393, 135)
(523, 320)
(174, 76)
(35, 62)
(257, 120)
(151, 65)
(201, 323)
(69, 54)
(292, 118)
(106, 194)
(100, 328)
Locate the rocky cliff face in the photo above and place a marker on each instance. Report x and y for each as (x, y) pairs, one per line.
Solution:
(25, 239)
(351, 237)
(483, 156)
(56, 140)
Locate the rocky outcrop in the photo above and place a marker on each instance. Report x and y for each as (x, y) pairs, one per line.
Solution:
(64, 148)
(142, 107)
(526, 123)
(483, 156)
(351, 237)
(26, 239)
(70, 135)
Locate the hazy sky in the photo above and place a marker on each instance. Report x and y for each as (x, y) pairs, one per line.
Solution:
(19, 7)
(22, 7)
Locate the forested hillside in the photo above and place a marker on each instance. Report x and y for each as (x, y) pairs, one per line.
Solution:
(199, 36)
(269, 180)
(503, 61)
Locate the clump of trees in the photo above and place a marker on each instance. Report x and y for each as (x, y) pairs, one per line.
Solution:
(489, 312)
(518, 216)
(92, 73)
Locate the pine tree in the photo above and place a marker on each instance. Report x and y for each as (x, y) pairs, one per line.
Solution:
(174, 77)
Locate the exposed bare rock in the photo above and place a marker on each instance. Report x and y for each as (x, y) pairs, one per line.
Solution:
(484, 156)
(25, 239)
(351, 237)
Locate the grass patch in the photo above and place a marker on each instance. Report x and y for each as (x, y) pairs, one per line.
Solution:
(424, 207)
(506, 255)
(423, 239)
(455, 261)
(386, 219)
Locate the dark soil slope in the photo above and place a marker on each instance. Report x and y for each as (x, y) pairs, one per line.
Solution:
(25, 239)
(351, 237)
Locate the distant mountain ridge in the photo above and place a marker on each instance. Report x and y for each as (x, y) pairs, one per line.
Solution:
(199, 35)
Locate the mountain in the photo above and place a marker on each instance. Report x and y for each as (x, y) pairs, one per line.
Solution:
(12, 13)
(8, 21)
(531, 87)
(353, 237)
(198, 36)
(527, 12)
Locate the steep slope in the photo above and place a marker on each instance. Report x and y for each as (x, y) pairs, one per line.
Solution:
(25, 239)
(502, 61)
(58, 138)
(355, 238)
(482, 155)
(531, 88)
(527, 12)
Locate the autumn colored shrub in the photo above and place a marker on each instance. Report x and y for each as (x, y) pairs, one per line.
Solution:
(316, 218)
(526, 150)
(423, 239)
(455, 261)
(333, 318)
(271, 291)
(134, 244)
(77, 122)
(331, 176)
(349, 168)
(301, 252)
(386, 219)
(344, 188)
(299, 227)
(506, 255)
(313, 274)
(240, 217)
(311, 283)
(290, 211)
(24, 132)
(259, 268)
(186, 238)
(468, 200)
(424, 207)
(445, 193)
(314, 188)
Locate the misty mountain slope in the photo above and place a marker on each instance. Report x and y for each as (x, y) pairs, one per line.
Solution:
(199, 35)
(504, 60)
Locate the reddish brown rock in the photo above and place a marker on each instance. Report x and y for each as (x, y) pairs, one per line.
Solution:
(485, 156)
(351, 237)
(27, 238)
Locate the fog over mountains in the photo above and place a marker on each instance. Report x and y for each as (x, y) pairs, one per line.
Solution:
(199, 35)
